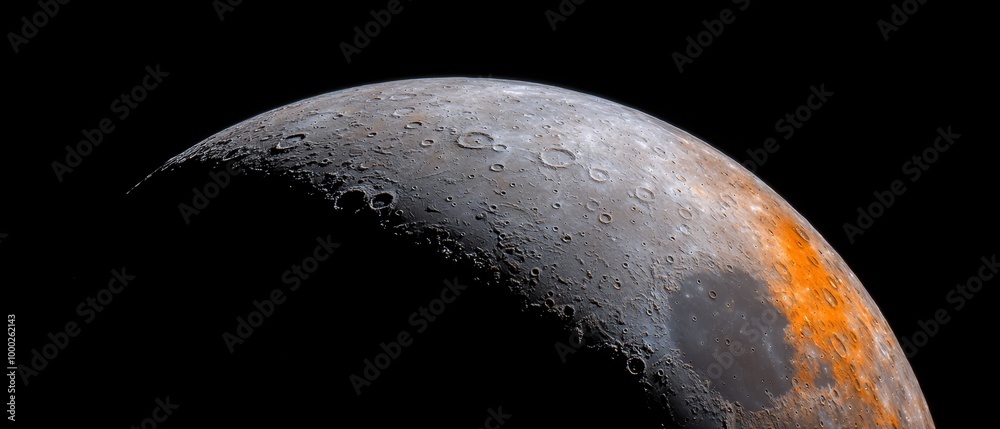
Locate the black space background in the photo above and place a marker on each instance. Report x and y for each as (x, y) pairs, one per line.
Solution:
(890, 97)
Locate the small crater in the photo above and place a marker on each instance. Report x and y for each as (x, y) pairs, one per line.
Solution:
(813, 261)
(475, 140)
(684, 229)
(599, 174)
(830, 298)
(381, 200)
(782, 270)
(838, 345)
(288, 143)
(644, 194)
(352, 200)
(557, 157)
(801, 233)
(636, 365)
(403, 111)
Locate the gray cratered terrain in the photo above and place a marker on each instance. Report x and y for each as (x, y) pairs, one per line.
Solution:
(717, 300)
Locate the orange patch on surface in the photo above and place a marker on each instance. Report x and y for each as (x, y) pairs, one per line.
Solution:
(825, 314)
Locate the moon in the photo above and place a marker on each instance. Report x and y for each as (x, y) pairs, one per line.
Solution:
(715, 299)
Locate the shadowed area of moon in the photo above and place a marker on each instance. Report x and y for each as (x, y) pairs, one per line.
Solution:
(603, 247)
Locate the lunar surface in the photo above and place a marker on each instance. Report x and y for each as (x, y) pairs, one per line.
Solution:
(628, 240)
